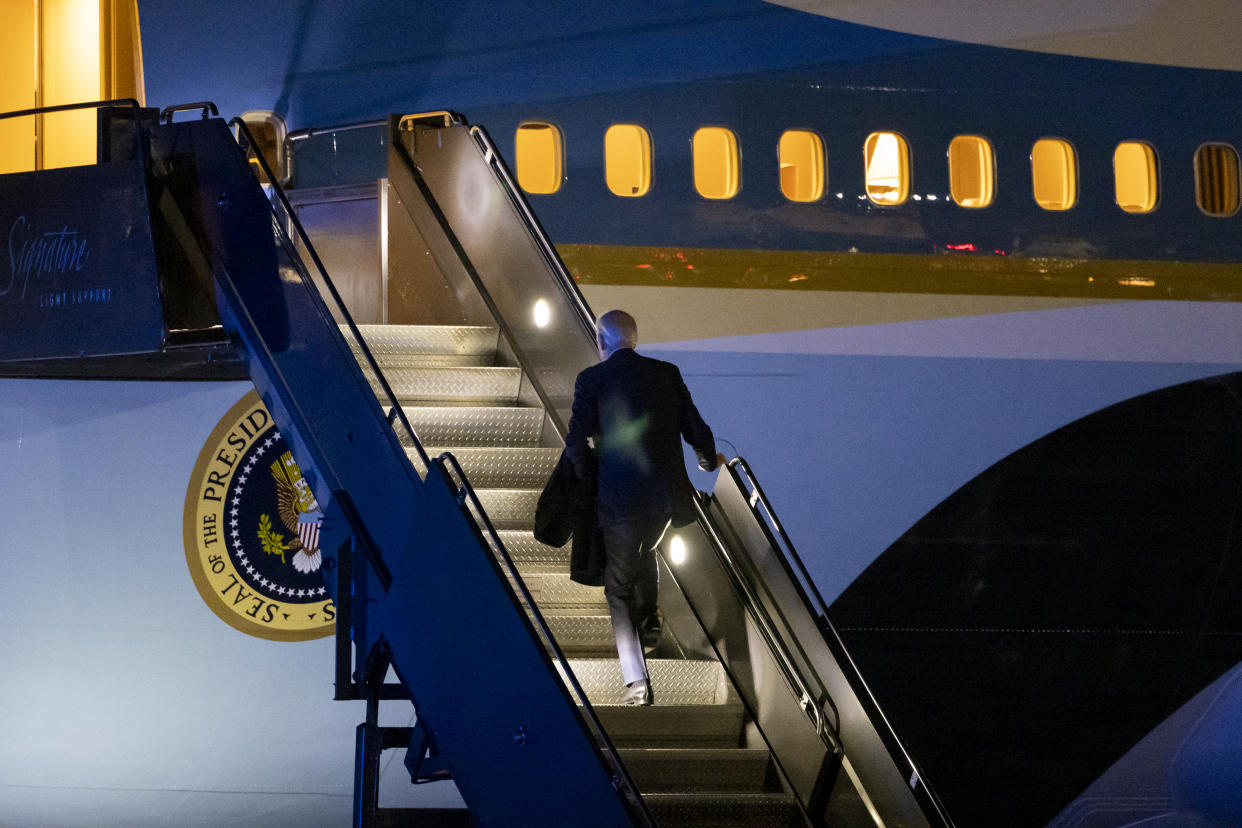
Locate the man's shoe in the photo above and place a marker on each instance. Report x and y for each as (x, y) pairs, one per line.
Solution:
(638, 694)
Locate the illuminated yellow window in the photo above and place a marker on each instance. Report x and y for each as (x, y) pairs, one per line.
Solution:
(972, 171)
(627, 160)
(1134, 177)
(886, 159)
(717, 163)
(801, 156)
(1216, 179)
(1054, 174)
(55, 52)
(539, 153)
(18, 36)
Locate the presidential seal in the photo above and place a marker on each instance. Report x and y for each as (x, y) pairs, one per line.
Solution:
(251, 527)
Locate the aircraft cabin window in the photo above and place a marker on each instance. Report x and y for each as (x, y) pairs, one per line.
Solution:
(1054, 174)
(717, 163)
(539, 153)
(972, 171)
(1216, 179)
(627, 160)
(269, 133)
(801, 156)
(1134, 176)
(886, 159)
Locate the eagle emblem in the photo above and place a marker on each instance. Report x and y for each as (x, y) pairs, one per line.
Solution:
(300, 514)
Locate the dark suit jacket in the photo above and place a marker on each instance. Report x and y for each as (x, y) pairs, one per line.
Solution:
(637, 410)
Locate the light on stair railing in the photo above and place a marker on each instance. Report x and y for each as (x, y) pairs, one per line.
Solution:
(543, 313)
(677, 550)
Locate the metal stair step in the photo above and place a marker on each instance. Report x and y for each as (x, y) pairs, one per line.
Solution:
(676, 682)
(695, 770)
(695, 706)
(754, 810)
(391, 344)
(432, 361)
(503, 467)
(555, 593)
(510, 508)
(673, 725)
(476, 425)
(533, 557)
(453, 385)
(583, 635)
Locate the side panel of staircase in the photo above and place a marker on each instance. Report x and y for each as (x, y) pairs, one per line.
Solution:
(516, 744)
(873, 756)
(470, 222)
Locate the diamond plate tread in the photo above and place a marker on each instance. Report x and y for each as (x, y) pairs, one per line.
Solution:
(675, 682)
(533, 557)
(503, 467)
(510, 508)
(583, 635)
(558, 593)
(458, 425)
(685, 770)
(754, 810)
(459, 385)
(672, 725)
(394, 342)
(433, 361)
(554, 592)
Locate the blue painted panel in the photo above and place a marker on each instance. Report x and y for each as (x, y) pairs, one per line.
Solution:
(79, 280)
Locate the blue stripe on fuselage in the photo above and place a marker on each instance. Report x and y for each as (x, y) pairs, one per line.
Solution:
(329, 61)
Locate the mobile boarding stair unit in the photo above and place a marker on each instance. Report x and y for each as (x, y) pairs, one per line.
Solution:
(427, 446)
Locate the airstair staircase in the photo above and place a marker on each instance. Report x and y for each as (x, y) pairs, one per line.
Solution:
(426, 446)
(685, 753)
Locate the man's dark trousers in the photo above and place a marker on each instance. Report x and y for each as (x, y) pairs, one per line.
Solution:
(632, 587)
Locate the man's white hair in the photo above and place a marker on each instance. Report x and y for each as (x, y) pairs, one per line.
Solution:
(616, 329)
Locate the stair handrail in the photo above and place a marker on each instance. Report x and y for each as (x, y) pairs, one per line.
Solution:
(621, 779)
(46, 110)
(250, 149)
(767, 628)
(761, 508)
(493, 158)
